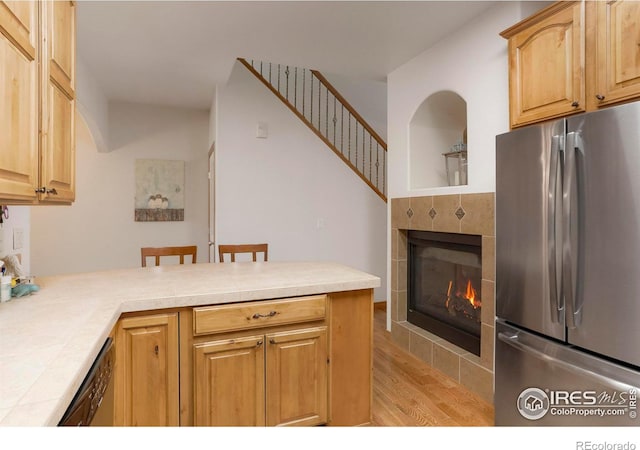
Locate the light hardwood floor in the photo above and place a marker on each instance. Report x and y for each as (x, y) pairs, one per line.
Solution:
(407, 392)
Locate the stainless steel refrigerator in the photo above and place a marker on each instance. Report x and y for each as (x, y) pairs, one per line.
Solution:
(568, 271)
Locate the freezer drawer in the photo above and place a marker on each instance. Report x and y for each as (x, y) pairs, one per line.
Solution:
(540, 382)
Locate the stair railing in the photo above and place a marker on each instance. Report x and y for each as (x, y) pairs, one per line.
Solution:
(321, 107)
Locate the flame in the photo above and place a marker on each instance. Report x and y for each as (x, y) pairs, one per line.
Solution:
(471, 295)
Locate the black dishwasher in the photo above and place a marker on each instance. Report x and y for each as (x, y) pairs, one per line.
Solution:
(93, 403)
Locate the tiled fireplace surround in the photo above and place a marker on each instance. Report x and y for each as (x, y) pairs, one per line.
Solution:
(459, 213)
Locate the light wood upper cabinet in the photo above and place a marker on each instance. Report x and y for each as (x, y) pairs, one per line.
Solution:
(37, 114)
(147, 365)
(618, 51)
(546, 64)
(19, 106)
(573, 56)
(58, 145)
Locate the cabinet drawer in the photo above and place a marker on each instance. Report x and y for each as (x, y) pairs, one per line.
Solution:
(240, 316)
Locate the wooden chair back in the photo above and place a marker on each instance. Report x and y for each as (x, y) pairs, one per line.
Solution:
(157, 252)
(233, 249)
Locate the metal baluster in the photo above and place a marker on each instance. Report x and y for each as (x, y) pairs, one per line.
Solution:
(335, 120)
(286, 72)
(370, 156)
(326, 116)
(304, 92)
(295, 88)
(349, 136)
(311, 99)
(270, 74)
(342, 130)
(356, 144)
(261, 72)
(377, 163)
(319, 105)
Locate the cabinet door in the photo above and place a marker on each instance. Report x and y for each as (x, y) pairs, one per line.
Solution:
(19, 104)
(297, 377)
(57, 174)
(618, 51)
(229, 382)
(147, 371)
(546, 64)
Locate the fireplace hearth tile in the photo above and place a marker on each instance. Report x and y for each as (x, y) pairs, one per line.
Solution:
(421, 348)
(399, 218)
(479, 214)
(421, 220)
(488, 302)
(402, 305)
(486, 346)
(489, 258)
(446, 361)
(445, 219)
(477, 379)
(400, 335)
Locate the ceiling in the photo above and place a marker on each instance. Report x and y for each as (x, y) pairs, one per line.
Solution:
(175, 52)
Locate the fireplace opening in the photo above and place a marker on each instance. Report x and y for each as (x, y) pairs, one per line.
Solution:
(444, 279)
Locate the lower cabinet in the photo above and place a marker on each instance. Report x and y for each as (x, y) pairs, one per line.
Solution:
(296, 361)
(269, 379)
(147, 382)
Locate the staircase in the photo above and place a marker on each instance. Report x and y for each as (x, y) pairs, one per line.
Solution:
(317, 103)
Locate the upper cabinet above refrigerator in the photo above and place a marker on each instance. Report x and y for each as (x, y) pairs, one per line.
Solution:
(571, 57)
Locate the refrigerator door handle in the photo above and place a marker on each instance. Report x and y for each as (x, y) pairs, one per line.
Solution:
(570, 232)
(557, 309)
(513, 340)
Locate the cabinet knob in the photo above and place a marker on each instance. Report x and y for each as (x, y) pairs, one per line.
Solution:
(258, 344)
(156, 350)
(41, 190)
(51, 191)
(272, 341)
(575, 104)
(600, 97)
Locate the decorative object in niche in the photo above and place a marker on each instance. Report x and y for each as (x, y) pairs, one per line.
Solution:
(159, 190)
(456, 164)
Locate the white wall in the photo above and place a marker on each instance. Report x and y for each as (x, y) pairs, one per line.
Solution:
(93, 106)
(290, 190)
(368, 97)
(471, 62)
(98, 231)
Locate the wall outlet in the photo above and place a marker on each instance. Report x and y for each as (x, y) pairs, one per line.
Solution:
(18, 238)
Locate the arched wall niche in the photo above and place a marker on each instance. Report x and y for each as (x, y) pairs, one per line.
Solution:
(438, 124)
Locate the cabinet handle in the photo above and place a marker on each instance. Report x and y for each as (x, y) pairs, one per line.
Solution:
(575, 104)
(600, 97)
(258, 315)
(45, 190)
(156, 350)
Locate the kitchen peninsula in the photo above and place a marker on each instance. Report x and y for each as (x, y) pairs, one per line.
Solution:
(49, 340)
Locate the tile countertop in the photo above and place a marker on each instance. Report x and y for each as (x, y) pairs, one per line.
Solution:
(49, 340)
